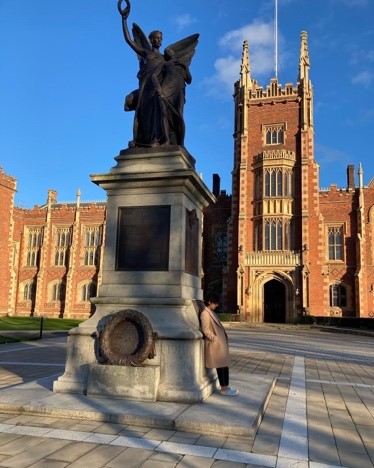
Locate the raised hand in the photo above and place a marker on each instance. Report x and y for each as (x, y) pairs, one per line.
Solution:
(124, 12)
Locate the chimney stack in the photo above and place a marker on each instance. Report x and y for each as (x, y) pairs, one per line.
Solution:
(216, 185)
(351, 177)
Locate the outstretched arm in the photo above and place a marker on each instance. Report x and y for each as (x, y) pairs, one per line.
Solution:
(124, 12)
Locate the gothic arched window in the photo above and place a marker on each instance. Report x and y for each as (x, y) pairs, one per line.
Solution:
(29, 292)
(338, 295)
(88, 290)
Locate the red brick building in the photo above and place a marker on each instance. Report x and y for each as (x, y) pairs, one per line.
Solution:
(7, 250)
(292, 248)
(50, 255)
(216, 218)
(276, 249)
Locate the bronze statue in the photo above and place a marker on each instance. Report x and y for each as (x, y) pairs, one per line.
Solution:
(159, 101)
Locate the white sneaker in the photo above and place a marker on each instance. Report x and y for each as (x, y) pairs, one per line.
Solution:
(229, 392)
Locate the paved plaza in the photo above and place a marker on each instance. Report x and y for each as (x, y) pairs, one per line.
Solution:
(320, 413)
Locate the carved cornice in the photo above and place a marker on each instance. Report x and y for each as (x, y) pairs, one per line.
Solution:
(275, 154)
(273, 258)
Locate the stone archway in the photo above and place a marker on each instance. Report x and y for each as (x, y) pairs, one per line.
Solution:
(274, 302)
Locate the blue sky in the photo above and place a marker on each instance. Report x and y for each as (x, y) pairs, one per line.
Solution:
(65, 69)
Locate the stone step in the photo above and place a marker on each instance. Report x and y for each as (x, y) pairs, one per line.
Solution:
(240, 415)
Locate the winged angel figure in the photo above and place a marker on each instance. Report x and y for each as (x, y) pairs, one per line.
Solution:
(160, 99)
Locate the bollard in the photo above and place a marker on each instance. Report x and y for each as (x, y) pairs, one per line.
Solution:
(41, 327)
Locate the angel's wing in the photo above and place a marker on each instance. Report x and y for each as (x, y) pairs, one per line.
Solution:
(184, 49)
(141, 39)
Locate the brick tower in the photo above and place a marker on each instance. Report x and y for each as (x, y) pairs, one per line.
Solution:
(7, 247)
(275, 223)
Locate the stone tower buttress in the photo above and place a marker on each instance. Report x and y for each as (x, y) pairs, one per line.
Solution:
(236, 226)
(311, 220)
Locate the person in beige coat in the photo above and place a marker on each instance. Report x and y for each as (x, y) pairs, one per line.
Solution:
(216, 345)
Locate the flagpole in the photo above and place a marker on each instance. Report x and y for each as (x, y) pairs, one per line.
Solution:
(276, 38)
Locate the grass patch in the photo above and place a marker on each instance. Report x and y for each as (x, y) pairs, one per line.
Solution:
(342, 322)
(17, 339)
(225, 317)
(15, 329)
(33, 323)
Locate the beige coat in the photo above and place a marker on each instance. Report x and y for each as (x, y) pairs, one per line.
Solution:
(215, 340)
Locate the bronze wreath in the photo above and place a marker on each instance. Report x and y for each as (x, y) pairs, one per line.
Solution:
(112, 339)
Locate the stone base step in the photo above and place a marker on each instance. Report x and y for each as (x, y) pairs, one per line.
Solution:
(240, 415)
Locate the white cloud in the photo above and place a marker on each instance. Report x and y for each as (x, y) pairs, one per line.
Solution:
(326, 155)
(359, 56)
(227, 69)
(183, 21)
(258, 33)
(364, 78)
(260, 36)
(218, 122)
(360, 118)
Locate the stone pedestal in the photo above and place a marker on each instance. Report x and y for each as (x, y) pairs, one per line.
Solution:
(137, 383)
(152, 264)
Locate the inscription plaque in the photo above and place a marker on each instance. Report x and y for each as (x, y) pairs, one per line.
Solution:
(192, 243)
(143, 238)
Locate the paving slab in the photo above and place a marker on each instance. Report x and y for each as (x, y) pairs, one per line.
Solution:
(33, 454)
(130, 458)
(242, 414)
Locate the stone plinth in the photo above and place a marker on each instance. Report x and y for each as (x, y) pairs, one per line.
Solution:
(137, 383)
(152, 264)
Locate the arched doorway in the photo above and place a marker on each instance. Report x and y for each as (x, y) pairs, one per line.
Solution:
(274, 302)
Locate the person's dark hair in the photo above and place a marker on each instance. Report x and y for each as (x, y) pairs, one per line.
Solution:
(211, 298)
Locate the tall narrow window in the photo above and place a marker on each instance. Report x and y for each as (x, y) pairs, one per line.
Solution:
(258, 235)
(292, 234)
(258, 184)
(58, 292)
(92, 241)
(335, 242)
(220, 246)
(273, 234)
(338, 295)
(267, 183)
(287, 237)
(63, 242)
(34, 242)
(288, 183)
(88, 290)
(279, 234)
(274, 185)
(29, 291)
(279, 190)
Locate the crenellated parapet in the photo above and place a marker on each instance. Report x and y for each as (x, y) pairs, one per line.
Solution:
(7, 181)
(272, 91)
(99, 206)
